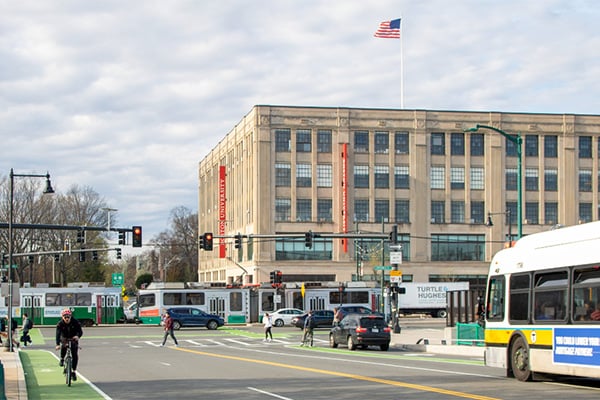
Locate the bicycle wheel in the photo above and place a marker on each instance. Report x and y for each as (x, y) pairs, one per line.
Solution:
(68, 369)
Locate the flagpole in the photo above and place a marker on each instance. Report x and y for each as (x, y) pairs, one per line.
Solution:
(402, 64)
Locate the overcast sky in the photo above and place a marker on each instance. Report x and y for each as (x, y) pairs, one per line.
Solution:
(127, 97)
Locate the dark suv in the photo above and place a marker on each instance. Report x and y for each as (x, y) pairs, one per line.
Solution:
(362, 330)
(345, 310)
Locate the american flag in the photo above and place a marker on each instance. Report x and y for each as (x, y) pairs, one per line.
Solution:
(389, 29)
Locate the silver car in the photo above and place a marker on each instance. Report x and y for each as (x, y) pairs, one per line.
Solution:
(284, 316)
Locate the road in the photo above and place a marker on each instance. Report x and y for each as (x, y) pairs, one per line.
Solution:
(127, 362)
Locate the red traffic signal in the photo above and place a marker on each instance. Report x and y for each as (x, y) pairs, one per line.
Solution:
(136, 240)
(207, 241)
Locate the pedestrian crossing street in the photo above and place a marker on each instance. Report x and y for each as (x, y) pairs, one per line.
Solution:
(229, 342)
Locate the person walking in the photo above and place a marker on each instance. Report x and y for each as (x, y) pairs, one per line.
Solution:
(168, 326)
(309, 326)
(268, 321)
(68, 329)
(26, 327)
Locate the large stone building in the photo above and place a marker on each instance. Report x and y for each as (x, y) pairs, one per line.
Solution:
(283, 171)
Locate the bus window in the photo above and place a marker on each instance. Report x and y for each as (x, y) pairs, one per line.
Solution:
(586, 293)
(147, 300)
(550, 296)
(519, 304)
(495, 300)
(173, 299)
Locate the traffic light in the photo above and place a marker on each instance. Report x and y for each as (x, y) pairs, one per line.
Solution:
(207, 241)
(272, 276)
(123, 291)
(122, 237)
(94, 255)
(136, 240)
(56, 257)
(238, 241)
(118, 254)
(308, 239)
(278, 277)
(80, 236)
(82, 256)
(30, 259)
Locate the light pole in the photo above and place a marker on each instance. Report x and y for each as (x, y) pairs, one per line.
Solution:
(491, 223)
(10, 243)
(517, 140)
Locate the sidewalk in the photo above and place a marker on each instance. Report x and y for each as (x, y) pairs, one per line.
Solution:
(14, 386)
(438, 341)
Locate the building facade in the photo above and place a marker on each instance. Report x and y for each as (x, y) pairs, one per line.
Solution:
(283, 171)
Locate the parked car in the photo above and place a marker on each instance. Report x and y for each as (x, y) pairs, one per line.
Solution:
(323, 319)
(190, 316)
(130, 313)
(344, 310)
(284, 316)
(361, 330)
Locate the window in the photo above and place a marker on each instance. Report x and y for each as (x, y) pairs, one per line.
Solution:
(512, 207)
(303, 209)
(477, 212)
(303, 175)
(402, 211)
(550, 296)
(282, 140)
(303, 141)
(457, 178)
(382, 176)
(586, 292)
(324, 175)
(438, 144)
(324, 210)
(550, 146)
(511, 178)
(519, 297)
(323, 141)
(477, 144)
(511, 148)
(361, 142)
(438, 177)
(382, 142)
(585, 212)
(477, 178)
(551, 213)
(382, 210)
(457, 247)
(401, 142)
(585, 180)
(283, 174)
(457, 212)
(361, 210)
(585, 147)
(531, 145)
(532, 212)
(401, 178)
(437, 212)
(457, 144)
(361, 176)
(294, 249)
(531, 179)
(283, 209)
(551, 180)
(495, 301)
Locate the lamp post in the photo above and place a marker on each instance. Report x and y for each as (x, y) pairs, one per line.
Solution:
(517, 140)
(10, 243)
(491, 223)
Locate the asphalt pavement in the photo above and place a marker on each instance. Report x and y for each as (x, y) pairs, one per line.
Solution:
(416, 339)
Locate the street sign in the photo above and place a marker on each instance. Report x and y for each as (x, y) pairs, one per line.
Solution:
(396, 276)
(382, 268)
(117, 279)
(396, 257)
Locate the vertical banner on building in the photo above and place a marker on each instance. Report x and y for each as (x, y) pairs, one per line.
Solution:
(345, 195)
(222, 210)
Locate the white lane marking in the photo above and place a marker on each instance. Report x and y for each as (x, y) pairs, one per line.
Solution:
(270, 394)
(239, 342)
(195, 343)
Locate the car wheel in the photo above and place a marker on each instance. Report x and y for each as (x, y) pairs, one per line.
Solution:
(212, 325)
(441, 314)
(176, 325)
(332, 342)
(351, 345)
(384, 347)
(278, 323)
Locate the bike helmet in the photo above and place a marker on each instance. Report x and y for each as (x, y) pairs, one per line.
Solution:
(64, 312)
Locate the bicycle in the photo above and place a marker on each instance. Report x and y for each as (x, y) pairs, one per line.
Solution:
(307, 338)
(68, 363)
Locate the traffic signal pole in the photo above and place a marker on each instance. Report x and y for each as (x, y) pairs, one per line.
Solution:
(394, 246)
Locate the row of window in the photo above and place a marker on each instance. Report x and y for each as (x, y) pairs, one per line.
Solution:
(381, 143)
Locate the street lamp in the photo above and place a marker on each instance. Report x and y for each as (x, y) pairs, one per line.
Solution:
(517, 140)
(490, 223)
(10, 243)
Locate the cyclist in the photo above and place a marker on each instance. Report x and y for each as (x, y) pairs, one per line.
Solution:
(68, 328)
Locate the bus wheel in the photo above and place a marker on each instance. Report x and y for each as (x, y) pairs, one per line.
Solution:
(519, 360)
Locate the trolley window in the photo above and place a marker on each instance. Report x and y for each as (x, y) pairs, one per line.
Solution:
(195, 299)
(147, 300)
(235, 301)
(84, 299)
(173, 299)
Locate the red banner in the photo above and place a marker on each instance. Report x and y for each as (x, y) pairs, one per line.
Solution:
(345, 195)
(222, 210)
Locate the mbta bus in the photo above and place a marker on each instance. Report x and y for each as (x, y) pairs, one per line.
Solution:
(543, 305)
(91, 305)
